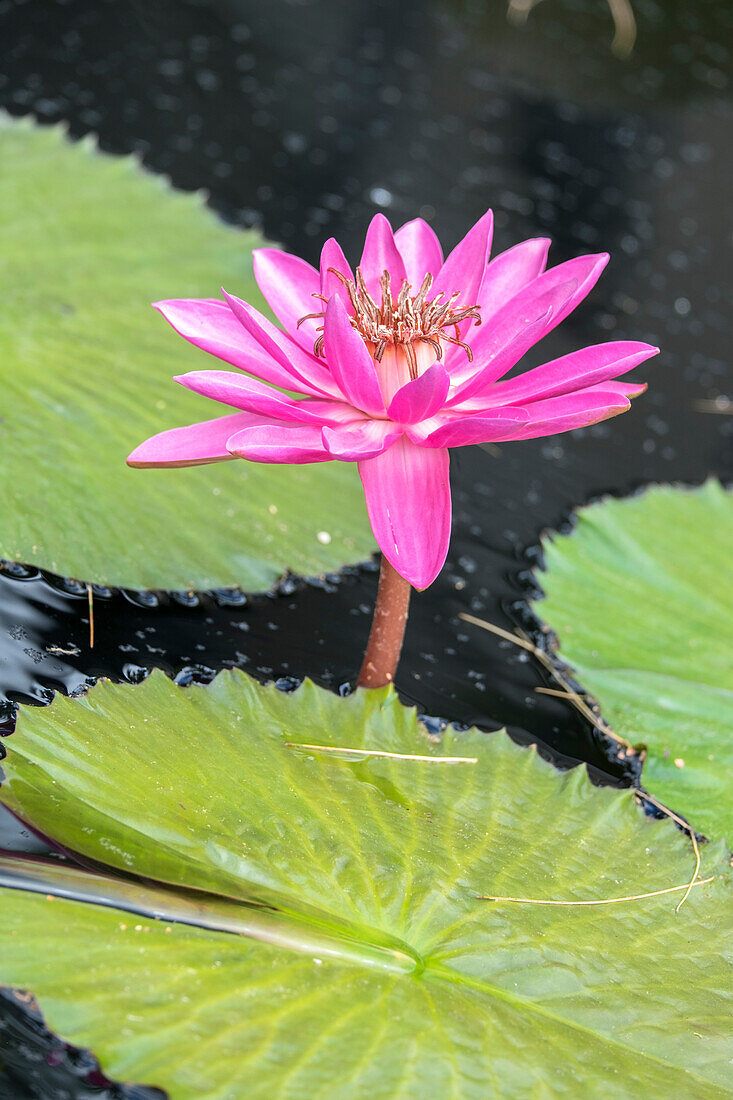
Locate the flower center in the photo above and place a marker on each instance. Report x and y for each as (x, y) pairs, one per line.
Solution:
(402, 321)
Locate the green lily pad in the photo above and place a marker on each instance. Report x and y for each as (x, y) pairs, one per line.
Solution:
(86, 372)
(641, 597)
(345, 951)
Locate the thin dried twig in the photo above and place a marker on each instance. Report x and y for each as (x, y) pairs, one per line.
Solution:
(340, 751)
(579, 702)
(558, 693)
(499, 630)
(573, 697)
(684, 825)
(604, 901)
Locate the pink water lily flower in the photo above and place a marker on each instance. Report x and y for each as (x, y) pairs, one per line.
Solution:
(395, 363)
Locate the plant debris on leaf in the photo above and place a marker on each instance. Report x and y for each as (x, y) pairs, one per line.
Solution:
(641, 597)
(359, 958)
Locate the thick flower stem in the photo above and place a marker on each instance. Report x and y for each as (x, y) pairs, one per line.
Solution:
(388, 629)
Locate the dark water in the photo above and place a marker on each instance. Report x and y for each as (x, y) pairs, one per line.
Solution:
(305, 117)
(39, 1066)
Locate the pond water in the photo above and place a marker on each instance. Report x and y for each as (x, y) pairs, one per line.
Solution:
(304, 118)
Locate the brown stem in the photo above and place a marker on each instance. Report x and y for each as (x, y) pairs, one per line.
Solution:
(388, 629)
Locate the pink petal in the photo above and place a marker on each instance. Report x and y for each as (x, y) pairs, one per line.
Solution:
(407, 492)
(574, 410)
(300, 370)
(333, 259)
(509, 272)
(194, 445)
(465, 267)
(505, 276)
(247, 393)
(349, 360)
(585, 270)
(628, 389)
(580, 369)
(420, 250)
(333, 412)
(273, 441)
(422, 397)
(210, 324)
(380, 254)
(581, 274)
(289, 285)
(360, 440)
(488, 428)
(513, 331)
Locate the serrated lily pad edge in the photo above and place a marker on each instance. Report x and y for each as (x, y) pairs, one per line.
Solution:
(358, 543)
(528, 753)
(553, 643)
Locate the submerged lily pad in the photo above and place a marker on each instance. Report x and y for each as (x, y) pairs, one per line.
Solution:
(86, 371)
(344, 850)
(641, 597)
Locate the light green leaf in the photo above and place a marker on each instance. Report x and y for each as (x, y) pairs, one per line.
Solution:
(641, 597)
(359, 960)
(86, 372)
